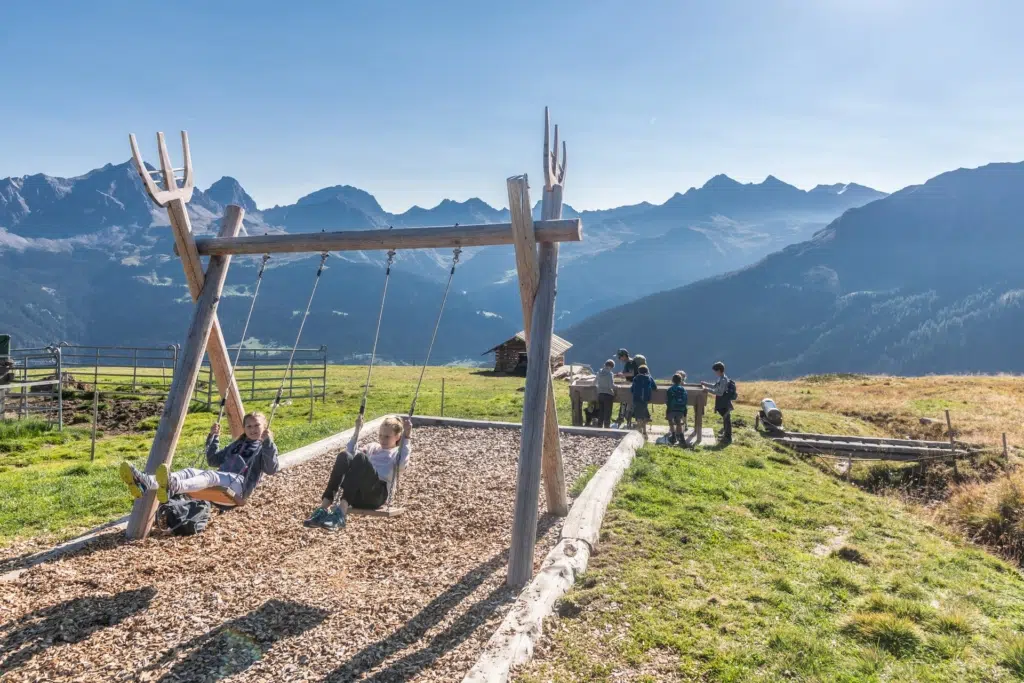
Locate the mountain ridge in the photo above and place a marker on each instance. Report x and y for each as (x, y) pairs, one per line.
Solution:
(924, 280)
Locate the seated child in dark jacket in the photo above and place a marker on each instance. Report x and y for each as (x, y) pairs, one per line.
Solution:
(240, 466)
(364, 475)
(642, 389)
(676, 402)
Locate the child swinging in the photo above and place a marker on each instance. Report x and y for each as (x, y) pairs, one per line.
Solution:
(364, 475)
(240, 466)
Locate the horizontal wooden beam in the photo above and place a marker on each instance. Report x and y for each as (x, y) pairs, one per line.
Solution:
(561, 230)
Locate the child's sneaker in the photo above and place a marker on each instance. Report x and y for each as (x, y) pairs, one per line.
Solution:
(672, 438)
(334, 520)
(163, 479)
(316, 519)
(135, 480)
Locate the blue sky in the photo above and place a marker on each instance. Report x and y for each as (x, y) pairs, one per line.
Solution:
(416, 102)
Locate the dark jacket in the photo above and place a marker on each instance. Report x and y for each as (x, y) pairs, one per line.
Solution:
(640, 383)
(251, 459)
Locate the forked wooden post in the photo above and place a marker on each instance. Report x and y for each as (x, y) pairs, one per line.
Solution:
(529, 277)
(174, 199)
(538, 380)
(184, 380)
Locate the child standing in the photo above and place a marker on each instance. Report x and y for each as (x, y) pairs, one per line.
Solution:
(364, 475)
(606, 393)
(642, 389)
(676, 402)
(724, 390)
(240, 466)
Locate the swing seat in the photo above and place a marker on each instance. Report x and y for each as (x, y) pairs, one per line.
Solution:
(379, 512)
(218, 495)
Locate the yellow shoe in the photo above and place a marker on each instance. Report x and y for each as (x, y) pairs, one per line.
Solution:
(129, 476)
(163, 477)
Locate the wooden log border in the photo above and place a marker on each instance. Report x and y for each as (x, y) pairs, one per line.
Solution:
(512, 645)
(330, 444)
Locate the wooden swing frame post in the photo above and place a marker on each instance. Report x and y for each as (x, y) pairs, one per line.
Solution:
(174, 199)
(540, 455)
(184, 379)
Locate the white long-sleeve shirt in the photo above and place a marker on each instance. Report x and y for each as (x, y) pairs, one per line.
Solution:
(384, 460)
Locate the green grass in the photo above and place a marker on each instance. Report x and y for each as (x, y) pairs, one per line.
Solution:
(713, 568)
(49, 486)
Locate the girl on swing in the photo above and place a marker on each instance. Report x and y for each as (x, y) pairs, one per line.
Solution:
(240, 466)
(364, 474)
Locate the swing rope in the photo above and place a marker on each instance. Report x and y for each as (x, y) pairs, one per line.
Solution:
(291, 358)
(245, 329)
(238, 352)
(393, 489)
(376, 336)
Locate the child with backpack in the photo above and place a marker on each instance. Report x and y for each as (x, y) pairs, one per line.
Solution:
(642, 389)
(364, 475)
(676, 402)
(724, 390)
(240, 466)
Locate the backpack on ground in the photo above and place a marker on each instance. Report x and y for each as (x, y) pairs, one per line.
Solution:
(183, 516)
(730, 391)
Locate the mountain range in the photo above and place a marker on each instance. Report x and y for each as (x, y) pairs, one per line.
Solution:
(926, 280)
(89, 259)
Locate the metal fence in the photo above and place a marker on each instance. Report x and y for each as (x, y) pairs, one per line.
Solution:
(145, 373)
(260, 372)
(34, 389)
(137, 372)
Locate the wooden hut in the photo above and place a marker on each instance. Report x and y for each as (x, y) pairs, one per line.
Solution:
(510, 355)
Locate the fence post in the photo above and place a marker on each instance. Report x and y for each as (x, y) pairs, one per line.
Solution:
(323, 385)
(442, 397)
(311, 399)
(60, 389)
(252, 384)
(209, 387)
(952, 446)
(95, 419)
(23, 409)
(135, 367)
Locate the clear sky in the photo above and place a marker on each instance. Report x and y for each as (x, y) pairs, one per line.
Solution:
(418, 101)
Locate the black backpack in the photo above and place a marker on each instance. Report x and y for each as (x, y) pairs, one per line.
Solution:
(730, 391)
(183, 516)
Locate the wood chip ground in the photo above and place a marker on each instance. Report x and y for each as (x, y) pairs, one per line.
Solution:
(257, 597)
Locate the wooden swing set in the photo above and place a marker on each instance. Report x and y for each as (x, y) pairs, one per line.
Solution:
(536, 248)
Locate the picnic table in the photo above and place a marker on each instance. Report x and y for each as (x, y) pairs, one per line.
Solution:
(584, 389)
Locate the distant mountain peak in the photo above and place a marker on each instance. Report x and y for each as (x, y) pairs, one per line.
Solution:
(227, 190)
(773, 182)
(720, 182)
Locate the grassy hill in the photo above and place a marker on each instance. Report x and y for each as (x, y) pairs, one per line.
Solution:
(746, 564)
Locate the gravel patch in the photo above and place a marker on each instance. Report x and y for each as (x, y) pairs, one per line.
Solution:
(257, 597)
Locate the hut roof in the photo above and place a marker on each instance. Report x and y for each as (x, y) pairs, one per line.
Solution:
(558, 345)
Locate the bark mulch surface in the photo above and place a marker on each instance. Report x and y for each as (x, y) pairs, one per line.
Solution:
(258, 597)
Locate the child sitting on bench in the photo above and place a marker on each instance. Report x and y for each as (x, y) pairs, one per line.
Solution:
(240, 466)
(364, 474)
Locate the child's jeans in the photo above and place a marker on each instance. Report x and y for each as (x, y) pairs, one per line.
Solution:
(727, 426)
(360, 486)
(604, 403)
(192, 479)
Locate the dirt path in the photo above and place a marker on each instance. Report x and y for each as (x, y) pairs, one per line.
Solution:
(257, 597)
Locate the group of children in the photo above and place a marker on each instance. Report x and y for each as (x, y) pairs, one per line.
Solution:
(642, 387)
(364, 476)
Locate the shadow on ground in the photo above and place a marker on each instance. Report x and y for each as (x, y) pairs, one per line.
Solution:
(67, 623)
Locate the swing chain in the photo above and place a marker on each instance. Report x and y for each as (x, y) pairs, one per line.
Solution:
(391, 257)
